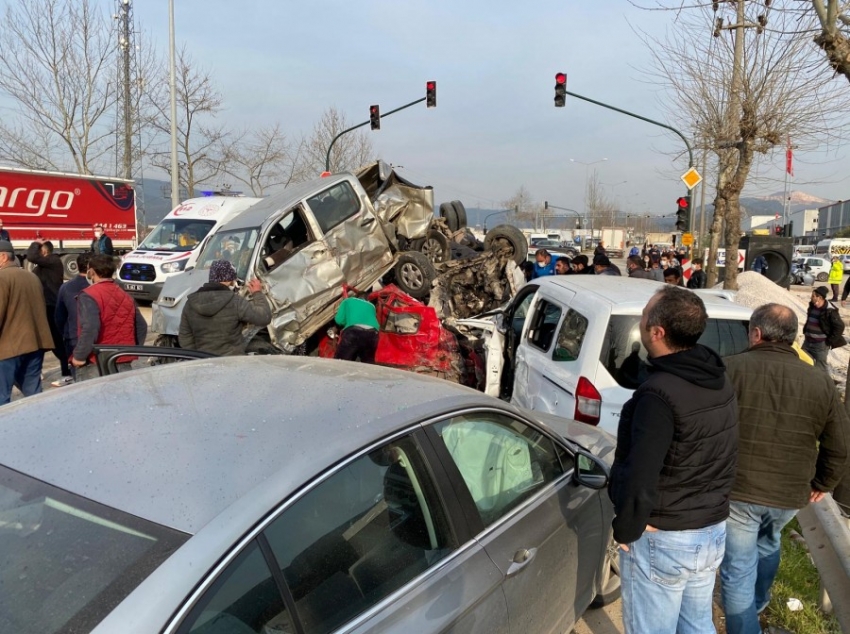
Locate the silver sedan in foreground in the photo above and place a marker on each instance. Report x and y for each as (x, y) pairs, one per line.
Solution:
(287, 495)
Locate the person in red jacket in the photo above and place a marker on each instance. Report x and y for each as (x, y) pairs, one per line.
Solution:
(105, 315)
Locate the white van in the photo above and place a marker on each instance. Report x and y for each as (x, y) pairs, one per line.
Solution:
(833, 246)
(175, 243)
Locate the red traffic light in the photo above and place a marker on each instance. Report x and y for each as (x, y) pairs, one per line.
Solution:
(431, 94)
(560, 89)
(682, 202)
(375, 117)
(560, 78)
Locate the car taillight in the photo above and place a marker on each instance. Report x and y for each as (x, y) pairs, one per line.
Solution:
(588, 402)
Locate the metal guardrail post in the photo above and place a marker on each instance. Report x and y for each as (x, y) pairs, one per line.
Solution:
(828, 538)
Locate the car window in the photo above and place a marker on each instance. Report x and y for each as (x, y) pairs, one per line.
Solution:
(67, 562)
(502, 461)
(235, 246)
(542, 330)
(286, 237)
(177, 235)
(334, 205)
(520, 312)
(570, 337)
(360, 535)
(624, 356)
(243, 600)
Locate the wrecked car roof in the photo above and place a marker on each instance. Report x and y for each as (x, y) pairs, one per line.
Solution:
(258, 214)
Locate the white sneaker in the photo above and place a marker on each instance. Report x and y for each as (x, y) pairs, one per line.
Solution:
(65, 380)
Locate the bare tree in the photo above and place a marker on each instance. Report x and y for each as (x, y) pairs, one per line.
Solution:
(747, 100)
(600, 208)
(834, 37)
(521, 206)
(199, 139)
(349, 152)
(57, 64)
(264, 158)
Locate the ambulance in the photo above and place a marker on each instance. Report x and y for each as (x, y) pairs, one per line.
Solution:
(176, 243)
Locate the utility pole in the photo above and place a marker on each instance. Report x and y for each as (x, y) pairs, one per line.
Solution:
(172, 83)
(126, 47)
(702, 200)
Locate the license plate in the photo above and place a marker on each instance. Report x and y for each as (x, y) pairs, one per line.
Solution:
(134, 287)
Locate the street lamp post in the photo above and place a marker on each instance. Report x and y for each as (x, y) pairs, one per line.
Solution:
(175, 180)
(586, 176)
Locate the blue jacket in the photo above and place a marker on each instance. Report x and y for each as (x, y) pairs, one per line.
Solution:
(543, 271)
(66, 307)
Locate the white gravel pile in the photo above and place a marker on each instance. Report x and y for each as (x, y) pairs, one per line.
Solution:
(755, 289)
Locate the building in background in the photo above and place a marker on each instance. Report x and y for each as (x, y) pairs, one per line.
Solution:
(805, 222)
(833, 217)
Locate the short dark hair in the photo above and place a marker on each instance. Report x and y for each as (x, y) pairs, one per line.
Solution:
(541, 252)
(673, 271)
(580, 259)
(103, 266)
(83, 261)
(563, 260)
(526, 266)
(777, 323)
(47, 244)
(697, 261)
(636, 260)
(601, 260)
(682, 315)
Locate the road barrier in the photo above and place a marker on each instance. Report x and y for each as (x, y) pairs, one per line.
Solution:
(827, 536)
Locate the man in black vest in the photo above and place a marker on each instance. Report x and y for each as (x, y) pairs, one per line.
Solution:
(673, 472)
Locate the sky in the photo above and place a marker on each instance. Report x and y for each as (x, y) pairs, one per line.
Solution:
(495, 127)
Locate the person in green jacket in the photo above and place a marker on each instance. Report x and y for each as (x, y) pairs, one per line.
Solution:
(836, 274)
(359, 337)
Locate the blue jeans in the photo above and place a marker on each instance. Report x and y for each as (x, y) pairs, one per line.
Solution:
(668, 581)
(752, 559)
(23, 371)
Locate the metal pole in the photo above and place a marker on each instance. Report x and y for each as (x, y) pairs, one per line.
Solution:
(128, 125)
(175, 174)
(702, 202)
(360, 125)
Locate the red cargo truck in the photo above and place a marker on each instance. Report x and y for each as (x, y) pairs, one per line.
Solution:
(63, 208)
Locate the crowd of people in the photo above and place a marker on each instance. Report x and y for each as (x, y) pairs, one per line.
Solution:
(649, 262)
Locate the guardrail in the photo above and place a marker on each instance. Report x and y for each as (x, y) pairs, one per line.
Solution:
(827, 535)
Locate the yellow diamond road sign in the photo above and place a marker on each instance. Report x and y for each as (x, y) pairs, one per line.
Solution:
(692, 178)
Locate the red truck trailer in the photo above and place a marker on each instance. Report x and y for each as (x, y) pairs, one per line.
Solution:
(63, 208)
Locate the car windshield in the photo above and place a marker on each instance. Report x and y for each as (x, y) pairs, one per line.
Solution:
(68, 561)
(624, 356)
(235, 246)
(177, 234)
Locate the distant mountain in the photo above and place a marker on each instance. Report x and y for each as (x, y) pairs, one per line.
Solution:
(772, 204)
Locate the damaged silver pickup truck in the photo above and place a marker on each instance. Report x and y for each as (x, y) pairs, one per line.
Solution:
(312, 240)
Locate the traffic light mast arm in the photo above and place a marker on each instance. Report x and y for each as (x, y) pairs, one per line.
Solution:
(637, 116)
(550, 206)
(360, 125)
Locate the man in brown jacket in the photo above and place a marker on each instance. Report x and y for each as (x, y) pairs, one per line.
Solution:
(24, 332)
(793, 438)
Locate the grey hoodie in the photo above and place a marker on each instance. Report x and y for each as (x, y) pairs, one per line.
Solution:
(214, 317)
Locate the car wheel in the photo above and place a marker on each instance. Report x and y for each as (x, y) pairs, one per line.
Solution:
(507, 236)
(436, 247)
(414, 273)
(449, 213)
(69, 266)
(822, 277)
(460, 211)
(609, 582)
(164, 341)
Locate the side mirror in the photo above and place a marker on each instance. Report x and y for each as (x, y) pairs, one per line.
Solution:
(590, 471)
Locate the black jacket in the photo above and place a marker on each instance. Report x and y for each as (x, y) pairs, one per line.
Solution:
(641, 274)
(677, 446)
(830, 323)
(698, 279)
(50, 272)
(794, 432)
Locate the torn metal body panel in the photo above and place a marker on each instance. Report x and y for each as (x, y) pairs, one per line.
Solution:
(407, 207)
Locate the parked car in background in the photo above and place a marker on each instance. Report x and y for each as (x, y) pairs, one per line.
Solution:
(570, 345)
(361, 499)
(817, 266)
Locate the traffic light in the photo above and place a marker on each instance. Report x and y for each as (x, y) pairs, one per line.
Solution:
(375, 117)
(431, 94)
(780, 231)
(560, 90)
(545, 204)
(683, 214)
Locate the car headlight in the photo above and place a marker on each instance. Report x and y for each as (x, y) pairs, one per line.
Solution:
(174, 267)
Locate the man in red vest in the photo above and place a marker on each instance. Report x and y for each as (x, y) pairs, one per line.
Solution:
(105, 315)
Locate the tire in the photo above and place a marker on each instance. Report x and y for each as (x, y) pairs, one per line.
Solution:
(609, 581)
(449, 213)
(435, 246)
(69, 266)
(164, 341)
(414, 273)
(822, 277)
(507, 235)
(460, 210)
